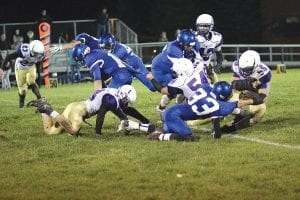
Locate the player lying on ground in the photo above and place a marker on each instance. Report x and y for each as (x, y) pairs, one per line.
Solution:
(99, 103)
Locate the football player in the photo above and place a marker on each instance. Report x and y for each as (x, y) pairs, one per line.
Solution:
(210, 44)
(251, 81)
(189, 78)
(28, 57)
(99, 103)
(99, 61)
(183, 47)
(206, 102)
(109, 43)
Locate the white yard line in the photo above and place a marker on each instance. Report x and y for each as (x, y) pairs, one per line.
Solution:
(252, 139)
(264, 141)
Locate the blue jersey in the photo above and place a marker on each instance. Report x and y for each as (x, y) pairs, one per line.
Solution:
(201, 105)
(88, 40)
(101, 61)
(164, 60)
(161, 67)
(126, 54)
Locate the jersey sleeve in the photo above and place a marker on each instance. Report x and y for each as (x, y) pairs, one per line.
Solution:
(94, 64)
(225, 108)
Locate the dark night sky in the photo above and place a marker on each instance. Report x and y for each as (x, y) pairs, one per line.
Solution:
(237, 20)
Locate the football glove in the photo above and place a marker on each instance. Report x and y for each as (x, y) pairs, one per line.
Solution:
(55, 48)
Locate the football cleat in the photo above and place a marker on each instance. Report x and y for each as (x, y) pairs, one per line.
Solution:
(151, 128)
(155, 135)
(36, 103)
(45, 108)
(21, 104)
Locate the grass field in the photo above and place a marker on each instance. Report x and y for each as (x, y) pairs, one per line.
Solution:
(36, 166)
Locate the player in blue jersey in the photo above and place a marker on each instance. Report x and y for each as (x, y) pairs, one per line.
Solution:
(189, 78)
(183, 47)
(99, 61)
(206, 102)
(109, 43)
(83, 38)
(28, 57)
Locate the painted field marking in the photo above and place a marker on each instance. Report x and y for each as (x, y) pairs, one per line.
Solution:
(206, 130)
(264, 142)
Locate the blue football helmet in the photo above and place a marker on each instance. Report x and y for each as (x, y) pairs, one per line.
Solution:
(107, 42)
(222, 90)
(186, 38)
(79, 53)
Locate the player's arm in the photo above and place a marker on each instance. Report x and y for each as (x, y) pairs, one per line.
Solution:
(254, 98)
(97, 77)
(217, 128)
(100, 118)
(158, 86)
(243, 84)
(219, 59)
(59, 47)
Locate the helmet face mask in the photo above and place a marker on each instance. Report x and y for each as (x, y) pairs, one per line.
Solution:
(36, 48)
(204, 23)
(79, 53)
(186, 39)
(107, 42)
(247, 63)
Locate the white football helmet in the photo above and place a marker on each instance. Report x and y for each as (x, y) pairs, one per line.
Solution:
(183, 67)
(36, 47)
(248, 61)
(127, 94)
(204, 23)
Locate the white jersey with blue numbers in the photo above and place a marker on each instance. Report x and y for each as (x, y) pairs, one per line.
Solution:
(188, 85)
(262, 73)
(208, 47)
(95, 101)
(25, 60)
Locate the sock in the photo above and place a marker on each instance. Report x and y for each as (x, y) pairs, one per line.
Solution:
(165, 137)
(144, 127)
(54, 114)
(35, 89)
(136, 114)
(165, 100)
